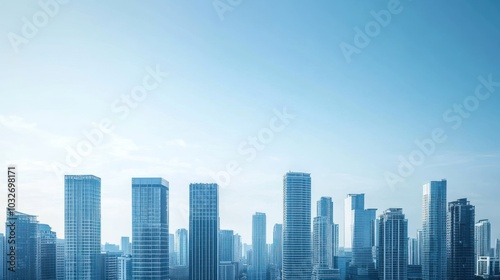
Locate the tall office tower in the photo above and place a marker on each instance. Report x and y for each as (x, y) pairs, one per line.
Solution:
(181, 246)
(497, 249)
(413, 251)
(322, 250)
(125, 245)
(26, 238)
(238, 248)
(434, 264)
(150, 237)
(482, 238)
(392, 258)
(125, 267)
(297, 245)
(226, 246)
(172, 259)
(109, 266)
(420, 241)
(60, 260)
(325, 209)
(277, 247)
(460, 240)
(259, 262)
(3, 254)
(82, 226)
(47, 254)
(360, 225)
(335, 240)
(203, 231)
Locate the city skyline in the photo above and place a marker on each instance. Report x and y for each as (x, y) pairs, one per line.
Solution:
(214, 85)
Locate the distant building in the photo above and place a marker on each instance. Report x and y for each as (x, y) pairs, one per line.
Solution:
(392, 258)
(26, 238)
(482, 238)
(413, 252)
(460, 240)
(60, 259)
(277, 249)
(109, 266)
(238, 248)
(3, 257)
(488, 268)
(181, 247)
(82, 210)
(226, 246)
(125, 267)
(434, 263)
(297, 243)
(258, 269)
(203, 231)
(125, 245)
(150, 235)
(47, 253)
(114, 248)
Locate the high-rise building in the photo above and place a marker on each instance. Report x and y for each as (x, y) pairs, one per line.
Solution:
(325, 209)
(413, 253)
(47, 254)
(226, 246)
(322, 249)
(3, 257)
(460, 240)
(125, 267)
(434, 264)
(203, 231)
(297, 245)
(181, 246)
(360, 227)
(172, 259)
(26, 247)
(125, 245)
(238, 248)
(109, 266)
(420, 241)
(150, 235)
(482, 238)
(82, 226)
(259, 255)
(497, 249)
(392, 258)
(60, 260)
(277, 247)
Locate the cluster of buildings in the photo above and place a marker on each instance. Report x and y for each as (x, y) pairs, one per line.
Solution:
(450, 244)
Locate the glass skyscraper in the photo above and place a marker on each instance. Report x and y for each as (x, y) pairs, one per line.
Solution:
(181, 246)
(277, 247)
(392, 258)
(60, 260)
(26, 237)
(150, 236)
(297, 247)
(82, 226)
(203, 231)
(47, 253)
(460, 240)
(259, 247)
(434, 264)
(482, 236)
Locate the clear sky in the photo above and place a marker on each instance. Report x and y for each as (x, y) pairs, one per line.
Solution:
(356, 109)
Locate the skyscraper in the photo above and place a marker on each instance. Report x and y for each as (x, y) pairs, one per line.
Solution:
(321, 246)
(460, 240)
(203, 231)
(497, 249)
(392, 258)
(482, 238)
(277, 247)
(325, 209)
(150, 235)
(420, 241)
(297, 255)
(82, 226)
(360, 227)
(259, 262)
(26, 238)
(434, 265)
(47, 255)
(238, 248)
(226, 246)
(413, 253)
(181, 246)
(60, 260)
(125, 245)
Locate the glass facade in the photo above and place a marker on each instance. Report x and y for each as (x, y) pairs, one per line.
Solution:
(150, 236)
(181, 246)
(297, 245)
(393, 245)
(26, 239)
(82, 226)
(203, 231)
(434, 264)
(460, 240)
(47, 253)
(259, 246)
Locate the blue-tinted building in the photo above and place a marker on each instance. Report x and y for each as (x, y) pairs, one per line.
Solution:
(26, 242)
(150, 233)
(460, 240)
(297, 245)
(203, 231)
(60, 260)
(82, 226)
(434, 263)
(182, 247)
(226, 245)
(392, 258)
(259, 263)
(47, 252)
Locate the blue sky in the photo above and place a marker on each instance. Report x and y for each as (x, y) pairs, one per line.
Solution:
(352, 120)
